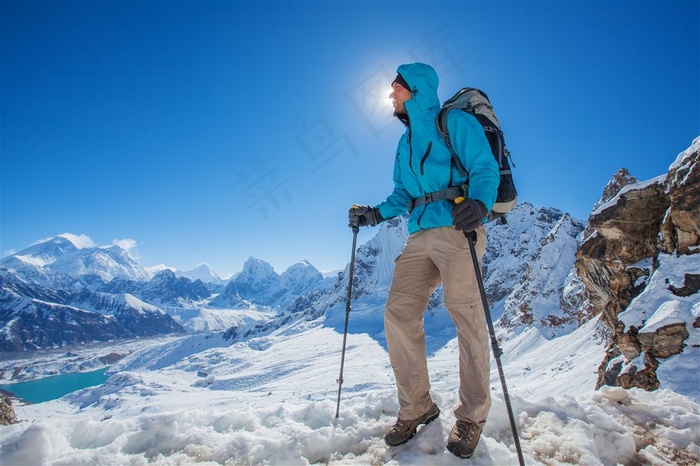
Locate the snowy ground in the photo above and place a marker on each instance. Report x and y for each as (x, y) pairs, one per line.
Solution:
(272, 401)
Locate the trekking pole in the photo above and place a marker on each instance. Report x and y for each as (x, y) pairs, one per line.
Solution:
(355, 229)
(471, 237)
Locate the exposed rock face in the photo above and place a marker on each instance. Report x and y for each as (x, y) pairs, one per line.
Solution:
(665, 342)
(681, 227)
(619, 180)
(621, 253)
(625, 233)
(7, 413)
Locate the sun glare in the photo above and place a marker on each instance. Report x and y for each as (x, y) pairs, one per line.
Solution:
(384, 102)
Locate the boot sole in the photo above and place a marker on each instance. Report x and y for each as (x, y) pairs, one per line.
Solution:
(458, 454)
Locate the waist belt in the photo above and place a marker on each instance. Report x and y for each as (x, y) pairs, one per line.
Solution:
(453, 192)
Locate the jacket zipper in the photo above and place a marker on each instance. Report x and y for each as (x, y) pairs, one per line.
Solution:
(410, 146)
(422, 161)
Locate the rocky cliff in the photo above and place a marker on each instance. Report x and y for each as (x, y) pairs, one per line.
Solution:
(7, 412)
(640, 266)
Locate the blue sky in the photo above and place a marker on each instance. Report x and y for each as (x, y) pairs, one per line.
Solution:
(212, 132)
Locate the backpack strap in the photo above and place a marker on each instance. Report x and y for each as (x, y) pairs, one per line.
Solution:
(495, 137)
(453, 192)
(441, 122)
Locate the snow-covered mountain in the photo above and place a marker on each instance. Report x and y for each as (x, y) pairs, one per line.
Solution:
(34, 317)
(544, 266)
(64, 271)
(63, 292)
(166, 288)
(138, 317)
(300, 277)
(106, 263)
(43, 253)
(203, 273)
(258, 281)
(54, 262)
(258, 284)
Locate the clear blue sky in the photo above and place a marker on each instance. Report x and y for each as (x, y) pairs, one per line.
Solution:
(211, 132)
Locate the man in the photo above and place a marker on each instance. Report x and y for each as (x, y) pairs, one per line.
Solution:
(436, 251)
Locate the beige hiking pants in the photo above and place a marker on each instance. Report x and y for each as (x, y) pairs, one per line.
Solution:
(429, 257)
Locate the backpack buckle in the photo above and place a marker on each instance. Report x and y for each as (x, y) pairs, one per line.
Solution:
(464, 188)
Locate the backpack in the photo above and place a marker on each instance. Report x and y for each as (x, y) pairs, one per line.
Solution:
(476, 103)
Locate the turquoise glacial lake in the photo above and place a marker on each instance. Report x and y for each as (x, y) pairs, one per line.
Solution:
(51, 388)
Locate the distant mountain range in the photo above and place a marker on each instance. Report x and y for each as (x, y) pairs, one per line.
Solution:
(59, 293)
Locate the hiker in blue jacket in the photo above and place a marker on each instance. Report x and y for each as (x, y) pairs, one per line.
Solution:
(436, 251)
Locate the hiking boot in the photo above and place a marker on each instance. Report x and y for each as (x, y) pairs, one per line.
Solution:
(463, 438)
(403, 430)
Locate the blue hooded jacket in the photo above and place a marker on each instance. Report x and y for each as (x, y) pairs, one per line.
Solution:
(423, 160)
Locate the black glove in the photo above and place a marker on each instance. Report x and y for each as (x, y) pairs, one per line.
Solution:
(363, 216)
(468, 215)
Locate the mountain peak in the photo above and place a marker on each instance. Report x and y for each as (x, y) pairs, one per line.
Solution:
(42, 253)
(202, 267)
(165, 274)
(257, 268)
(152, 271)
(619, 180)
(300, 275)
(202, 272)
(107, 263)
(79, 241)
(304, 264)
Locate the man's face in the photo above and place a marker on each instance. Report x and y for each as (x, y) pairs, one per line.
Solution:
(398, 96)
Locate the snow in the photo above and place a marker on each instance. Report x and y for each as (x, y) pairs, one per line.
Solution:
(202, 400)
(138, 305)
(202, 272)
(79, 241)
(680, 160)
(670, 312)
(657, 306)
(546, 272)
(198, 320)
(108, 263)
(680, 373)
(75, 255)
(31, 260)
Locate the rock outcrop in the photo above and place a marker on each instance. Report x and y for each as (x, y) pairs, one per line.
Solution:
(7, 412)
(630, 235)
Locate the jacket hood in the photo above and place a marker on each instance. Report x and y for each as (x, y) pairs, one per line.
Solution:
(423, 82)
